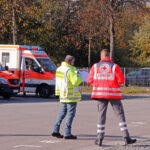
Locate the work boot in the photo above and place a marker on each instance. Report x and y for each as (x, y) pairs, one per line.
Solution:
(128, 140)
(98, 142)
(58, 135)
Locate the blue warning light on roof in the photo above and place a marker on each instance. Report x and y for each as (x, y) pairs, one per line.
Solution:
(29, 47)
(40, 48)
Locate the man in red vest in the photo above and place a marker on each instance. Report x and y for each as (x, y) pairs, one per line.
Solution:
(106, 78)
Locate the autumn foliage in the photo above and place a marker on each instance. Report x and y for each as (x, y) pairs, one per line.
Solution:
(80, 28)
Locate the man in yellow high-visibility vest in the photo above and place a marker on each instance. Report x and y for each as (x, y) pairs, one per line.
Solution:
(67, 88)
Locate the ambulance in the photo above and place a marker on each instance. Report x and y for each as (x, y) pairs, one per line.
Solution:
(32, 66)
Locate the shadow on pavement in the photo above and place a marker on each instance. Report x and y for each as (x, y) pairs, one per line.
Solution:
(31, 98)
(93, 137)
(86, 137)
(125, 97)
(113, 138)
(142, 142)
(117, 142)
(28, 99)
(87, 97)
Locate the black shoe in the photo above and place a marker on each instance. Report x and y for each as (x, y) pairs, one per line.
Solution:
(128, 140)
(98, 142)
(58, 135)
(73, 137)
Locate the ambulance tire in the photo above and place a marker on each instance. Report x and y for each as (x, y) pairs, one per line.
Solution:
(44, 91)
(6, 96)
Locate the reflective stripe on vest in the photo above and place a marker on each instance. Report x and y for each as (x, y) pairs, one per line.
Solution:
(70, 99)
(106, 93)
(60, 74)
(107, 89)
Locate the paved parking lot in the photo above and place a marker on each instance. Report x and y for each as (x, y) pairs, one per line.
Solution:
(26, 124)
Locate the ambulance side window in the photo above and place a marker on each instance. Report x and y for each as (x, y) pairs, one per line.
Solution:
(31, 65)
(5, 58)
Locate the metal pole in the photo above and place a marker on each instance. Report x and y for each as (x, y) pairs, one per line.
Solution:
(125, 76)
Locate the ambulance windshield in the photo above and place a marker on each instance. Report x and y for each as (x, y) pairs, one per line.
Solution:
(47, 64)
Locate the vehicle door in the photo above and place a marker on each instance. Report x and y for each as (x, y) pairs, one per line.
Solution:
(32, 74)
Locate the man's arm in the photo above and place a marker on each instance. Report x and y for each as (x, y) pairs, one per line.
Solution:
(91, 76)
(119, 76)
(74, 77)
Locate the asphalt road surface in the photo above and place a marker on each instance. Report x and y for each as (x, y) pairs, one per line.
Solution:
(26, 123)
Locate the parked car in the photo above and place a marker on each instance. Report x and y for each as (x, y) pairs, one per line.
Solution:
(9, 83)
(139, 77)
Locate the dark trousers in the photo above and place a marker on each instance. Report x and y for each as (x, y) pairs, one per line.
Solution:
(119, 112)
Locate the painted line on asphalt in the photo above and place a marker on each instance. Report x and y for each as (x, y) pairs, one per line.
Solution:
(50, 141)
(33, 146)
(138, 123)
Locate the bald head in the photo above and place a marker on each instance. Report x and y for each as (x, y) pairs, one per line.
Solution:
(105, 53)
(70, 60)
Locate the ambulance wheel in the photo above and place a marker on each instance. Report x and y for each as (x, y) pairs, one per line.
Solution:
(6, 96)
(44, 91)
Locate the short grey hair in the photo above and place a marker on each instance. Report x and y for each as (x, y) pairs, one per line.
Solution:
(105, 52)
(69, 58)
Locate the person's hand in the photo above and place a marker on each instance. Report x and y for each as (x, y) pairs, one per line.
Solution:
(77, 71)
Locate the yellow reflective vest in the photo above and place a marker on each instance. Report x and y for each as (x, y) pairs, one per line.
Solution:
(67, 83)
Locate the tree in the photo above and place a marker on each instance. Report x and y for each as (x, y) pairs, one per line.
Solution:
(91, 23)
(140, 45)
(112, 10)
(79, 28)
(17, 18)
(124, 28)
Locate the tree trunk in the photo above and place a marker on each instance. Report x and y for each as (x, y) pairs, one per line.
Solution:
(14, 27)
(89, 53)
(111, 38)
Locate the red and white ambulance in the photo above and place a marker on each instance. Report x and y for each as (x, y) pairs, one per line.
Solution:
(34, 68)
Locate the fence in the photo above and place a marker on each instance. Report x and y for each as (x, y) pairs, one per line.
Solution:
(133, 76)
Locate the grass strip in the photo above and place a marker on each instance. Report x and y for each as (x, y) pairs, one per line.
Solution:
(125, 90)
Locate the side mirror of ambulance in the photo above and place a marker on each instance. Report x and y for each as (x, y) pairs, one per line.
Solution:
(39, 70)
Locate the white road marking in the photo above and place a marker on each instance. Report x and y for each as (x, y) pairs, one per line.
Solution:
(138, 123)
(50, 141)
(27, 146)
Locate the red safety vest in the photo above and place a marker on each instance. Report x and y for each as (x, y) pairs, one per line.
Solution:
(106, 78)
